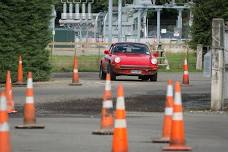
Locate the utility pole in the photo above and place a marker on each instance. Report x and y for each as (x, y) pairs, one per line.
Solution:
(179, 22)
(119, 20)
(110, 21)
(158, 24)
(145, 25)
(217, 79)
(139, 25)
(53, 29)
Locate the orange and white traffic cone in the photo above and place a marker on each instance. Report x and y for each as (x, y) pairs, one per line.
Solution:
(186, 73)
(75, 76)
(120, 139)
(20, 80)
(5, 145)
(29, 108)
(177, 139)
(107, 91)
(106, 126)
(167, 121)
(9, 93)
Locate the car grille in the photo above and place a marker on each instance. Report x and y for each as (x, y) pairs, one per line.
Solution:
(125, 67)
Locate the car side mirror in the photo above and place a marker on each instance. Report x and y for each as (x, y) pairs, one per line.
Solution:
(106, 52)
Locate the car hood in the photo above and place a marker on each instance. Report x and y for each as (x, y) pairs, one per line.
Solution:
(134, 59)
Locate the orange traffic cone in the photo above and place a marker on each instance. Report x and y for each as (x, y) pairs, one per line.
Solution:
(29, 108)
(107, 91)
(20, 80)
(120, 141)
(106, 127)
(9, 94)
(75, 77)
(177, 140)
(167, 121)
(5, 145)
(186, 74)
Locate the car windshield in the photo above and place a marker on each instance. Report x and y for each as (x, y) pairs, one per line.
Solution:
(131, 48)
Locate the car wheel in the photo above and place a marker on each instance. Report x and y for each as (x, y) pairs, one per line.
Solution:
(113, 77)
(144, 78)
(102, 74)
(112, 74)
(154, 77)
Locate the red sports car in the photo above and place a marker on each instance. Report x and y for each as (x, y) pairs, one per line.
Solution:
(132, 59)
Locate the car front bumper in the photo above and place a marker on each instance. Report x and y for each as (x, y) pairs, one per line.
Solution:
(134, 70)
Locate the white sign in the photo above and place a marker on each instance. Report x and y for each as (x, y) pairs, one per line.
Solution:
(176, 34)
(163, 30)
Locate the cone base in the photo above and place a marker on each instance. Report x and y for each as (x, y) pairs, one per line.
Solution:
(19, 84)
(161, 140)
(177, 148)
(103, 132)
(12, 111)
(30, 126)
(75, 84)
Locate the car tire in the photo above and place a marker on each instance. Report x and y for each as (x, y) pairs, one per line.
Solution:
(144, 78)
(154, 77)
(102, 74)
(112, 74)
(113, 77)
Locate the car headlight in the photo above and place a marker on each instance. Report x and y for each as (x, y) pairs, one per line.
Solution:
(117, 59)
(154, 61)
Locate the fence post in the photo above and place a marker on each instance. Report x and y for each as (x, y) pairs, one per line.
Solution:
(217, 79)
(199, 59)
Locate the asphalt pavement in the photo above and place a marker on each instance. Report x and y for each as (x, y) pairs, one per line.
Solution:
(71, 131)
(205, 132)
(58, 89)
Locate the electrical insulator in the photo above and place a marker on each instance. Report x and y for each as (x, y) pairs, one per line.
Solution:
(89, 11)
(64, 14)
(83, 11)
(71, 11)
(77, 9)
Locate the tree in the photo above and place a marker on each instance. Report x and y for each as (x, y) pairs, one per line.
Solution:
(24, 28)
(204, 12)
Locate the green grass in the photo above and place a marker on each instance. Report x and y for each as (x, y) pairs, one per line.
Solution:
(65, 63)
(90, 63)
(176, 61)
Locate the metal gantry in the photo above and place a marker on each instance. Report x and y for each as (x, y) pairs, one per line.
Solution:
(129, 21)
(142, 6)
(158, 8)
